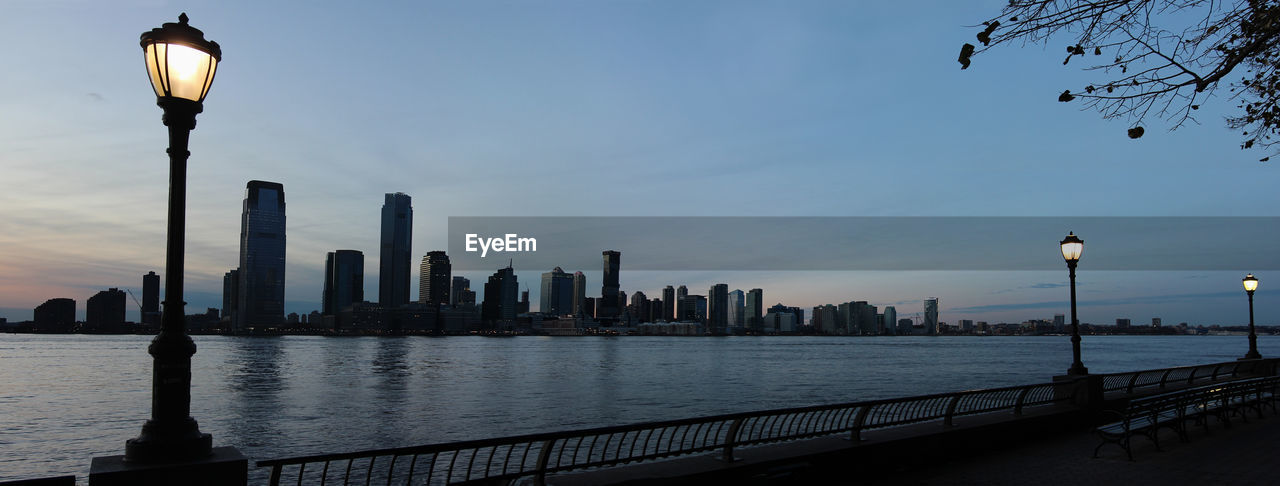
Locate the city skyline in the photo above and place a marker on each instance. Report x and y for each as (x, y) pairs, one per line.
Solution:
(723, 103)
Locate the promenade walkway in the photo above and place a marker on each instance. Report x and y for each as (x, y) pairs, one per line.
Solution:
(1245, 454)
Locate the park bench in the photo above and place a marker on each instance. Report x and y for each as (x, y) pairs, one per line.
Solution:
(1145, 416)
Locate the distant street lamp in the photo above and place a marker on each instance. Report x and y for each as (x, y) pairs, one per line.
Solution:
(1250, 285)
(181, 65)
(1072, 246)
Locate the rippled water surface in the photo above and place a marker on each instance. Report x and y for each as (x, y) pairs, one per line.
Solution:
(67, 398)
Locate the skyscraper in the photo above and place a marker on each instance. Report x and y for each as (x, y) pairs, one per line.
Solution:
(668, 304)
(434, 278)
(150, 300)
(609, 304)
(682, 310)
(579, 294)
(718, 308)
(394, 259)
(500, 294)
(891, 320)
(556, 297)
(230, 294)
(931, 316)
(343, 281)
(457, 288)
(753, 308)
(261, 291)
(737, 302)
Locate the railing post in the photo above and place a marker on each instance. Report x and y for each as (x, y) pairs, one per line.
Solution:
(951, 409)
(274, 479)
(1022, 397)
(858, 420)
(540, 470)
(1164, 377)
(1191, 378)
(1133, 382)
(730, 439)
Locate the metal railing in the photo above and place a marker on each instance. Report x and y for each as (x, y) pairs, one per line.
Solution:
(536, 455)
(1184, 376)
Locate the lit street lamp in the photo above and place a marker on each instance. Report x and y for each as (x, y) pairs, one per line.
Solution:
(1072, 246)
(181, 65)
(1250, 285)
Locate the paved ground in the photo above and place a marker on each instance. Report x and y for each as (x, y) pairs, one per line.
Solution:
(1245, 454)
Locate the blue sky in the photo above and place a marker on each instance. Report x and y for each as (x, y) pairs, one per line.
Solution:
(587, 108)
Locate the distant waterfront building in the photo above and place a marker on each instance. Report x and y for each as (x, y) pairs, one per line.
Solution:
(698, 304)
(610, 306)
(681, 305)
(57, 315)
(906, 327)
(343, 281)
(1059, 322)
(718, 308)
(639, 307)
(394, 266)
(105, 310)
(230, 294)
(522, 307)
(434, 277)
(891, 320)
(150, 300)
(556, 296)
(500, 294)
(965, 325)
(753, 309)
(668, 304)
(1122, 323)
(579, 307)
(458, 286)
(260, 296)
(931, 316)
(1155, 322)
(737, 303)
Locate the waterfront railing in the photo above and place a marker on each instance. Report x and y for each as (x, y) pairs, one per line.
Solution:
(536, 455)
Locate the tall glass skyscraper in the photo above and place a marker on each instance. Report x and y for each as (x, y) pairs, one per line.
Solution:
(343, 280)
(556, 297)
(261, 289)
(394, 261)
(609, 301)
(931, 316)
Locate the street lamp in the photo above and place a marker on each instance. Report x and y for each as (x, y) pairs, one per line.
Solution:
(1250, 285)
(1072, 246)
(181, 65)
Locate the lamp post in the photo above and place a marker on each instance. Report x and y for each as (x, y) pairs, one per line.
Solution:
(181, 65)
(1072, 246)
(1250, 285)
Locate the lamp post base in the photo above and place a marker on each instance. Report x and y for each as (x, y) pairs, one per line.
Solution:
(221, 466)
(1251, 355)
(153, 446)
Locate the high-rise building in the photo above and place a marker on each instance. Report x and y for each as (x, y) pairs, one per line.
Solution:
(58, 315)
(682, 310)
(737, 302)
(556, 297)
(753, 309)
(230, 294)
(500, 294)
(394, 257)
(718, 308)
(457, 288)
(1059, 322)
(262, 242)
(150, 300)
(343, 281)
(579, 294)
(668, 304)
(891, 320)
(434, 278)
(522, 307)
(640, 307)
(609, 304)
(105, 310)
(931, 316)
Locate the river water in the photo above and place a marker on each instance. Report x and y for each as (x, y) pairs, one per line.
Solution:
(67, 398)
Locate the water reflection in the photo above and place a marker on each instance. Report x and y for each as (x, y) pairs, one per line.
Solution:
(254, 386)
